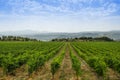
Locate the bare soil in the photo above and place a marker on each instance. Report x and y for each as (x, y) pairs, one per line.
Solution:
(66, 71)
(112, 75)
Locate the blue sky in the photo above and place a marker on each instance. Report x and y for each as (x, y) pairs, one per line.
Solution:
(60, 15)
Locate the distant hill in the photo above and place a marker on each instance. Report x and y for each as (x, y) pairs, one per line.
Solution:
(51, 35)
(22, 32)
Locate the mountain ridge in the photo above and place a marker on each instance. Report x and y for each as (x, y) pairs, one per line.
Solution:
(46, 35)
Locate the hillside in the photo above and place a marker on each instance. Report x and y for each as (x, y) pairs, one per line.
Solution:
(52, 35)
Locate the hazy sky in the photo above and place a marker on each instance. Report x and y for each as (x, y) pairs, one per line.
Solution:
(60, 15)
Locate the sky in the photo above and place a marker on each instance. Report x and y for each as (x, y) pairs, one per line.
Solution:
(60, 15)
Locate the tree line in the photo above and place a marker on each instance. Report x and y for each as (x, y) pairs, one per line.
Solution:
(104, 38)
(16, 38)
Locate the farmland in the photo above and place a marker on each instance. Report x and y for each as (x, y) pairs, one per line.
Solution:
(59, 60)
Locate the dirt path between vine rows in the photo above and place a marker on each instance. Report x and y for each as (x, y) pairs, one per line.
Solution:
(87, 72)
(112, 75)
(66, 72)
(1, 72)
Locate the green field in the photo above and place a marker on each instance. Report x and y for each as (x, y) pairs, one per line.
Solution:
(59, 60)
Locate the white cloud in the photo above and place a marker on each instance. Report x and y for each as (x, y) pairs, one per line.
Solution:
(59, 23)
(30, 14)
(66, 7)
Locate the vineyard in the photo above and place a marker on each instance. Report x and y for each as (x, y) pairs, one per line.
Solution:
(59, 60)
